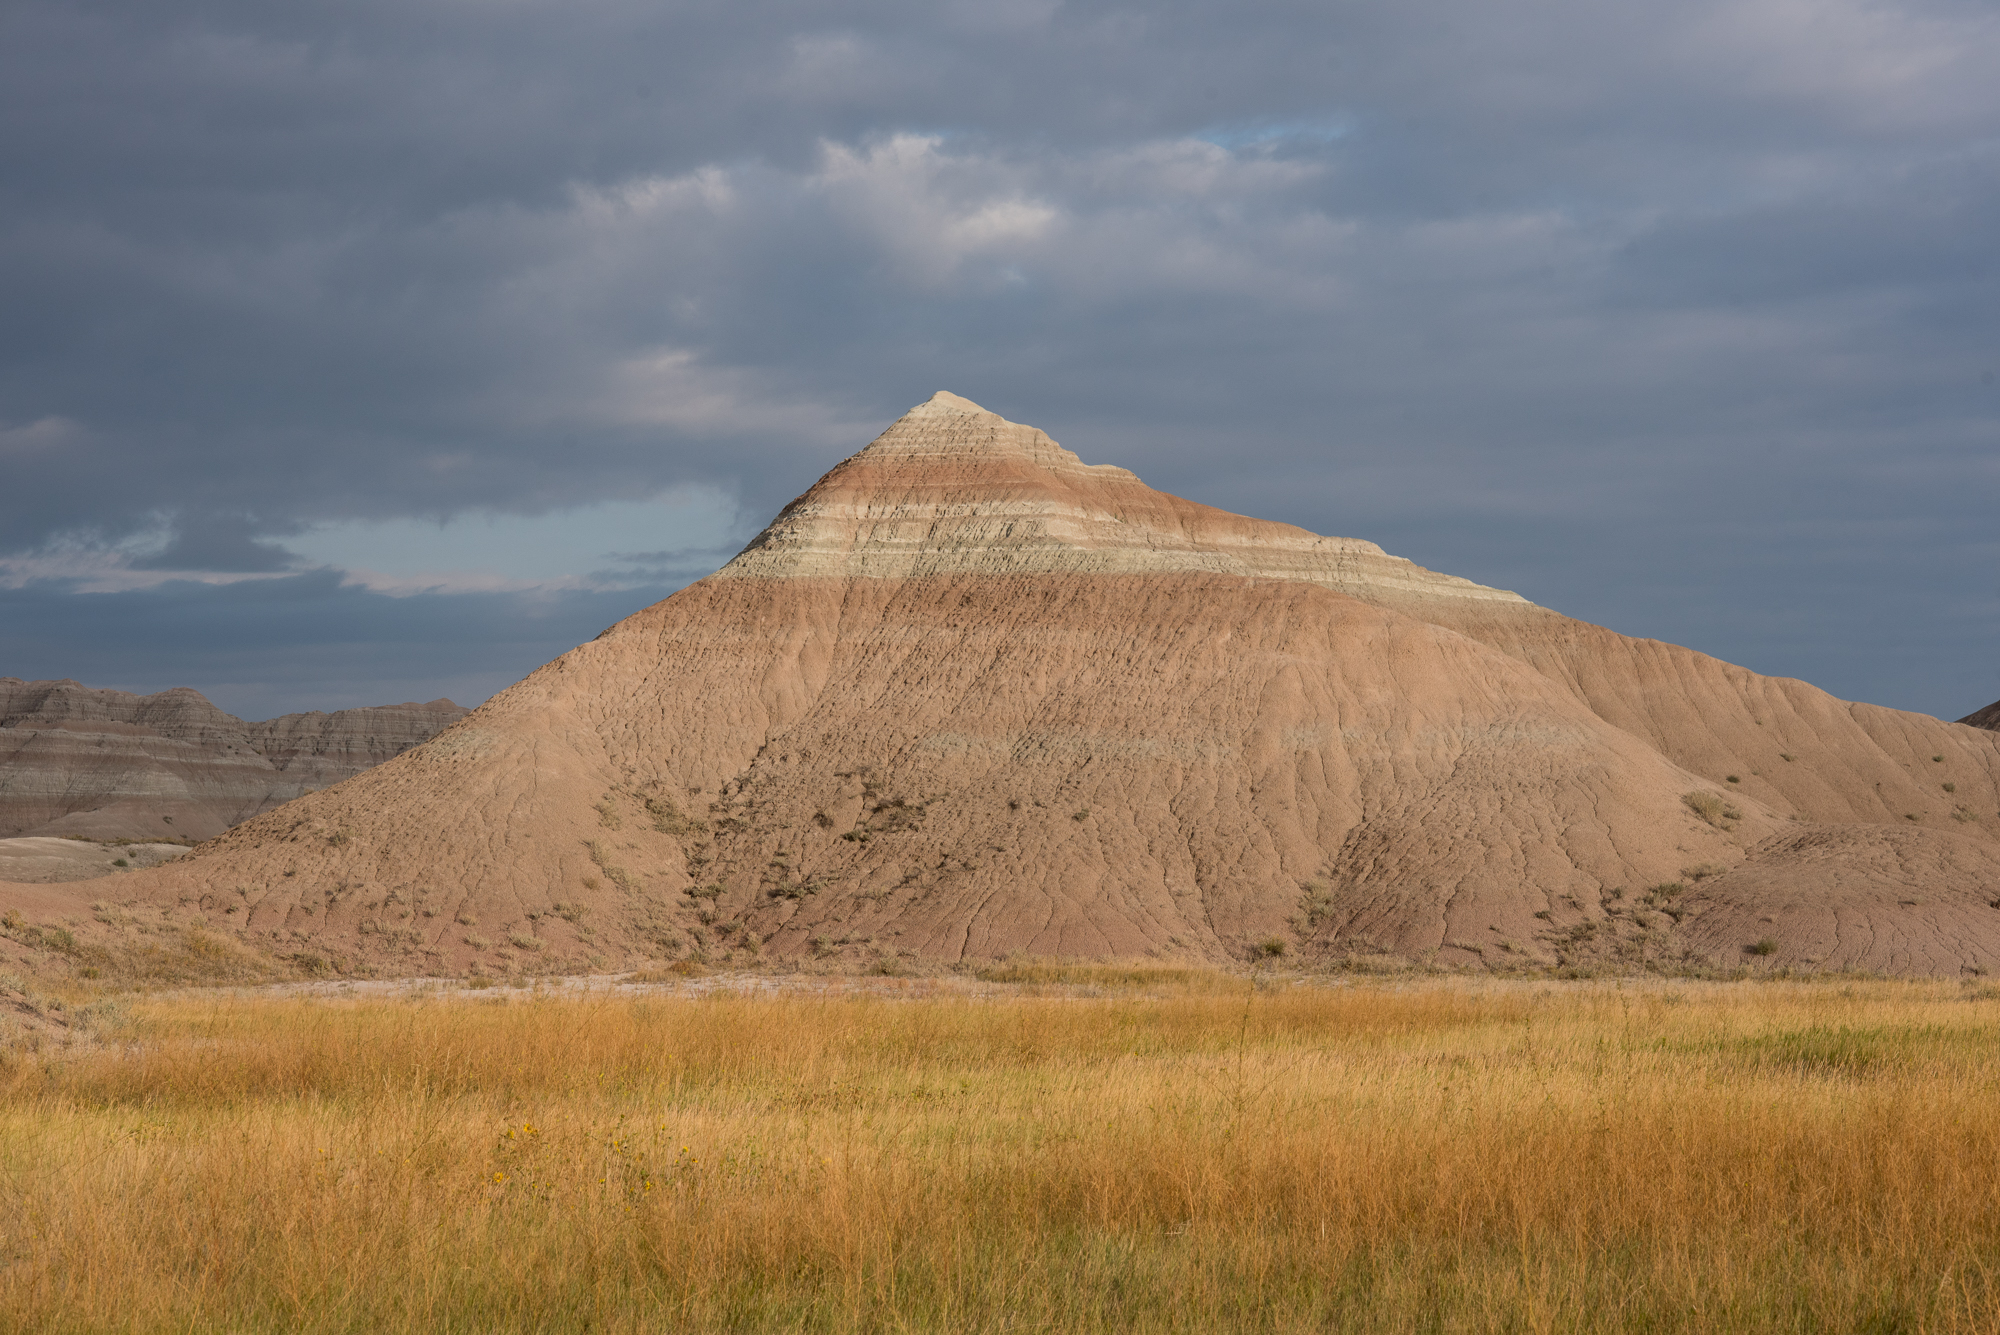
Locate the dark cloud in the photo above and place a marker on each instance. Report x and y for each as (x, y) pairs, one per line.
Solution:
(1681, 318)
(261, 648)
(218, 544)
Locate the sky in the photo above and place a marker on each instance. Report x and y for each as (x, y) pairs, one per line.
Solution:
(355, 351)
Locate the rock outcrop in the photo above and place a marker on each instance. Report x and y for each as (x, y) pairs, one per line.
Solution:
(969, 697)
(108, 764)
(1988, 717)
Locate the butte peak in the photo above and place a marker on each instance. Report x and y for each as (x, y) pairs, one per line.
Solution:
(944, 402)
(951, 429)
(952, 488)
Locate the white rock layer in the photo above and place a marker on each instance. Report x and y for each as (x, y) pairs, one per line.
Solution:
(893, 511)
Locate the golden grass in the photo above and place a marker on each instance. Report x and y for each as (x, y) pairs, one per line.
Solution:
(166, 953)
(1140, 974)
(1435, 1155)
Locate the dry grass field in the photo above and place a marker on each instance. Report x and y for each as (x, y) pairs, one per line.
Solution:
(1155, 1151)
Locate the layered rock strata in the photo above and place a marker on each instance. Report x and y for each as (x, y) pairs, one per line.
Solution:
(953, 490)
(969, 697)
(109, 764)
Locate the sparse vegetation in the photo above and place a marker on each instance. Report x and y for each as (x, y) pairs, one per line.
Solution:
(668, 819)
(1702, 871)
(157, 951)
(614, 873)
(1763, 946)
(790, 889)
(1189, 1153)
(1951, 788)
(880, 814)
(1712, 807)
(1315, 902)
(1662, 898)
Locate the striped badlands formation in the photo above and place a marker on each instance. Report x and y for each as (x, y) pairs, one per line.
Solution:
(98, 764)
(970, 697)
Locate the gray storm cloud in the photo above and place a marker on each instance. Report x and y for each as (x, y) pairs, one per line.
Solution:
(1678, 318)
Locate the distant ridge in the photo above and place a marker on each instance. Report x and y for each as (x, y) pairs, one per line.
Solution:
(969, 697)
(1988, 717)
(106, 764)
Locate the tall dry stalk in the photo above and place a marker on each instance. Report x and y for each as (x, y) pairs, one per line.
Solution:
(1438, 1156)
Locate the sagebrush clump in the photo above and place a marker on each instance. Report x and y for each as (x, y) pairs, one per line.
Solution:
(1712, 807)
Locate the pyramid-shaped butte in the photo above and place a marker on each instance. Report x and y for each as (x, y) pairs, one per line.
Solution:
(952, 489)
(970, 697)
